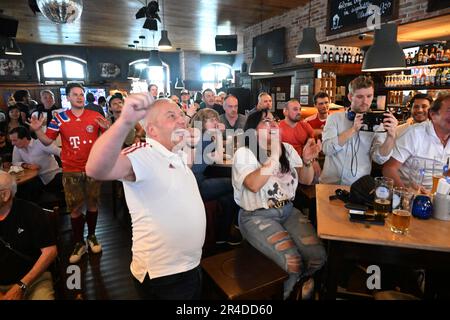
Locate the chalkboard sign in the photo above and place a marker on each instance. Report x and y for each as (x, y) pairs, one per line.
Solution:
(346, 15)
(434, 5)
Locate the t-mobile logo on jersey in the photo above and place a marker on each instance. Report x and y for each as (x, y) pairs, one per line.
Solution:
(75, 142)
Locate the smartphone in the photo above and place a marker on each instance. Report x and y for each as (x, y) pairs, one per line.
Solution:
(356, 216)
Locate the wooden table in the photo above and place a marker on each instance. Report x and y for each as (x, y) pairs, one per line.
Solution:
(25, 176)
(427, 245)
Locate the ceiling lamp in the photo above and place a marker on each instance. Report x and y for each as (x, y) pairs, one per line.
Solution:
(12, 48)
(261, 65)
(385, 54)
(61, 11)
(154, 60)
(308, 47)
(164, 43)
(179, 84)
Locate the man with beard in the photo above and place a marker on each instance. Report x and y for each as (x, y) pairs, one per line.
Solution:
(419, 104)
(318, 120)
(295, 131)
(348, 151)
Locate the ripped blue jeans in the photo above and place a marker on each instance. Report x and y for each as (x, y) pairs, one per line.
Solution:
(286, 236)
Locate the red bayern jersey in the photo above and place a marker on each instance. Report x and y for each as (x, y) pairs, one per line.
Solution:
(315, 122)
(78, 135)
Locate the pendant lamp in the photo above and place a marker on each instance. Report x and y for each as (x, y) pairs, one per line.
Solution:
(308, 47)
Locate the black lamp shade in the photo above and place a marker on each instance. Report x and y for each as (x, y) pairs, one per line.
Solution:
(179, 84)
(385, 54)
(12, 48)
(261, 65)
(308, 47)
(164, 43)
(154, 60)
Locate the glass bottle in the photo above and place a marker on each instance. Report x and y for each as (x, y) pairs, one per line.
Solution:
(325, 55)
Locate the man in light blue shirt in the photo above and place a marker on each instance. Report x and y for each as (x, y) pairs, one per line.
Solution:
(349, 152)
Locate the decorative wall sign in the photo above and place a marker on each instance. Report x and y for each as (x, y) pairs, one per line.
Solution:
(109, 70)
(345, 15)
(11, 67)
(304, 90)
(304, 101)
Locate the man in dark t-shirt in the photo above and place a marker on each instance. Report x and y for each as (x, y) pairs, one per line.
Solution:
(27, 247)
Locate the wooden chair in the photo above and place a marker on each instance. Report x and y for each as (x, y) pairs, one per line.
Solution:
(245, 274)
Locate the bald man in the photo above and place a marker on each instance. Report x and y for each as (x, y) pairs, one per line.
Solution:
(264, 103)
(26, 229)
(166, 249)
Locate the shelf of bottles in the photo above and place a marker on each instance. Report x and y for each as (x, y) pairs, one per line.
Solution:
(431, 55)
(344, 55)
(428, 78)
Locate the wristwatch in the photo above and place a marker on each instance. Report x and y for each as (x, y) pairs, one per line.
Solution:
(22, 286)
(309, 163)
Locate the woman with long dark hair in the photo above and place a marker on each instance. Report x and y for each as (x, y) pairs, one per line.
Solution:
(265, 176)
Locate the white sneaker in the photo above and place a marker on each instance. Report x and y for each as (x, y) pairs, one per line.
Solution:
(77, 253)
(93, 243)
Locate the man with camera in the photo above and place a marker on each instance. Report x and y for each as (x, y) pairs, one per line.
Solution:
(349, 150)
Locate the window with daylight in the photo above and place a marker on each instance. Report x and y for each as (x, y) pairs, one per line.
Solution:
(156, 75)
(61, 69)
(213, 75)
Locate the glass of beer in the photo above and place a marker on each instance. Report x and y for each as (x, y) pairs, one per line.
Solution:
(383, 196)
(402, 201)
(438, 173)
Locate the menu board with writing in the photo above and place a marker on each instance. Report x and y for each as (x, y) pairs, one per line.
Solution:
(345, 15)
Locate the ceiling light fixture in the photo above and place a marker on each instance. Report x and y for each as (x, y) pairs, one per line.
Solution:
(308, 47)
(150, 13)
(61, 11)
(261, 65)
(385, 54)
(154, 60)
(12, 48)
(164, 42)
(179, 84)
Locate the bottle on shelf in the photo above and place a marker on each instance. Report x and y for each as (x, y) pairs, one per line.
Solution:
(446, 56)
(337, 56)
(352, 58)
(345, 59)
(439, 53)
(341, 56)
(415, 58)
(420, 57)
(408, 59)
(425, 57)
(361, 57)
(330, 56)
(325, 55)
(432, 58)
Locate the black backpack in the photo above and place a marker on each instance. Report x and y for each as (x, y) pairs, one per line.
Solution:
(362, 191)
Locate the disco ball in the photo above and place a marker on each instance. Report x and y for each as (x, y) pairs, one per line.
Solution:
(61, 11)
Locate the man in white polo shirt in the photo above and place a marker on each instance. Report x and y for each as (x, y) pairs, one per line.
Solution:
(165, 205)
(427, 141)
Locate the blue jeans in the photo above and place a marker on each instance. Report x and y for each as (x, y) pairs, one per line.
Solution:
(287, 237)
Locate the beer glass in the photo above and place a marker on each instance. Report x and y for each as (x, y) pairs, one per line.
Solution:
(402, 201)
(383, 196)
(438, 173)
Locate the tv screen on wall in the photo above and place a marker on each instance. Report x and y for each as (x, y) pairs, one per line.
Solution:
(275, 42)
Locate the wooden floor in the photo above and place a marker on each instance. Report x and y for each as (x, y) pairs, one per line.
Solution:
(106, 275)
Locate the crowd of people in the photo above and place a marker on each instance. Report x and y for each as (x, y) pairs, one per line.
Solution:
(160, 147)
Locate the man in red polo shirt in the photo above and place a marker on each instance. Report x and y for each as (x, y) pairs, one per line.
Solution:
(79, 128)
(318, 120)
(295, 131)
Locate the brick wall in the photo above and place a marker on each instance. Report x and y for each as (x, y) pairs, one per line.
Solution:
(294, 20)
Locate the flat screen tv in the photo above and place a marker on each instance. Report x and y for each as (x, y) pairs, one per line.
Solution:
(98, 92)
(275, 42)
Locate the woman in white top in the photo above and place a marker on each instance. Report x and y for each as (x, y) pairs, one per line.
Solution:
(265, 177)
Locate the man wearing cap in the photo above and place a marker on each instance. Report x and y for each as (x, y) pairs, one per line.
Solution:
(135, 135)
